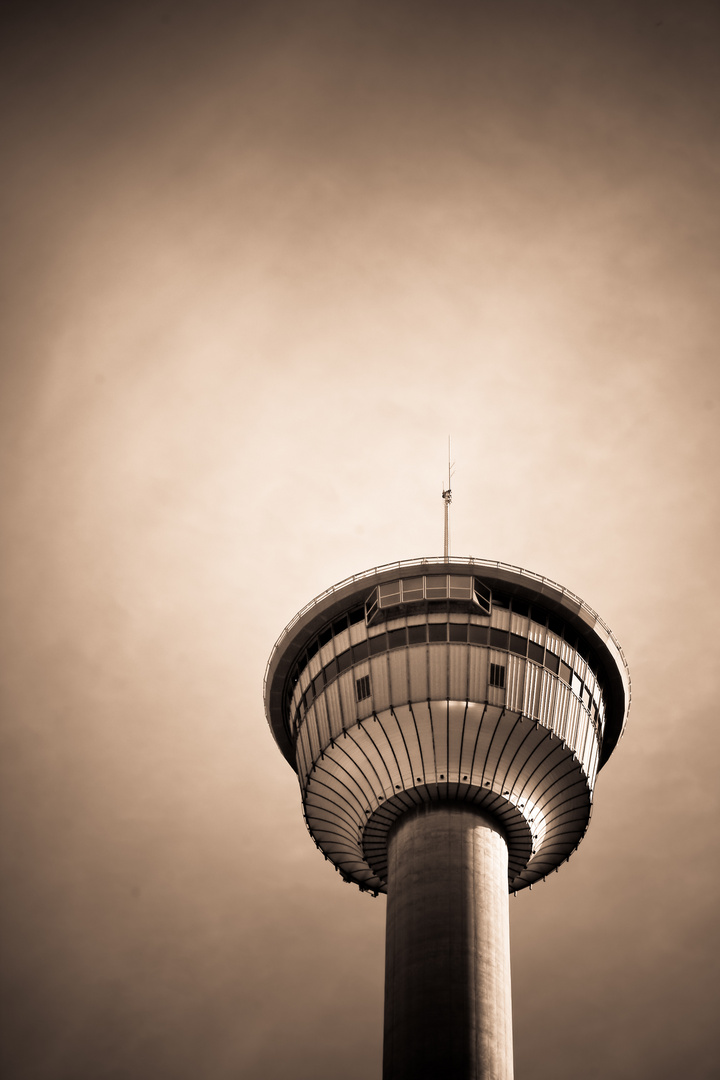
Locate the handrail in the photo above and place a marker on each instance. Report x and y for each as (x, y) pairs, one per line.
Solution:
(438, 560)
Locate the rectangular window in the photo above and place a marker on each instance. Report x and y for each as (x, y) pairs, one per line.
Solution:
(497, 675)
(460, 587)
(458, 631)
(389, 593)
(412, 589)
(518, 644)
(344, 660)
(576, 684)
(479, 634)
(359, 651)
(378, 644)
(417, 635)
(362, 688)
(326, 636)
(436, 588)
(437, 631)
(482, 595)
(535, 652)
(552, 662)
(498, 638)
(339, 625)
(397, 638)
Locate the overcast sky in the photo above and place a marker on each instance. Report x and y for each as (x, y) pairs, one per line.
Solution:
(259, 261)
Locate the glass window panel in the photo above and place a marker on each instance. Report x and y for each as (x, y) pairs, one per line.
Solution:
(412, 588)
(460, 588)
(482, 595)
(326, 636)
(552, 662)
(417, 634)
(518, 644)
(436, 588)
(535, 652)
(339, 625)
(359, 651)
(437, 631)
(498, 638)
(378, 644)
(397, 638)
(389, 593)
(478, 634)
(458, 631)
(565, 672)
(356, 616)
(344, 660)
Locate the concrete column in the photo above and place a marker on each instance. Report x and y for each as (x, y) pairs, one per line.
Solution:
(448, 1011)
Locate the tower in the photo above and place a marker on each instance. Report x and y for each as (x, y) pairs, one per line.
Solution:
(447, 719)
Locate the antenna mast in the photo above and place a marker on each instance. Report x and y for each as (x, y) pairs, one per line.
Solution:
(447, 499)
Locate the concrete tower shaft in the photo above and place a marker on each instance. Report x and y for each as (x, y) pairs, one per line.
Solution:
(448, 1010)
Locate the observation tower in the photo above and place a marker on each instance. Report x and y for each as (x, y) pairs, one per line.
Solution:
(447, 719)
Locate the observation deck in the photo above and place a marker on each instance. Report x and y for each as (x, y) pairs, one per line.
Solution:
(456, 680)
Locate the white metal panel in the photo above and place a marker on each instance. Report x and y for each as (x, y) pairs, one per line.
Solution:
(437, 670)
(457, 715)
(458, 672)
(380, 682)
(358, 632)
(478, 672)
(500, 618)
(346, 684)
(425, 736)
(514, 682)
(321, 718)
(314, 665)
(397, 662)
(418, 670)
(334, 710)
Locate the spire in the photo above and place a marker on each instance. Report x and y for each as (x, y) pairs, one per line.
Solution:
(447, 499)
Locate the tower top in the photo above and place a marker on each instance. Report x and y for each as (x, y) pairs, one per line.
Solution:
(353, 593)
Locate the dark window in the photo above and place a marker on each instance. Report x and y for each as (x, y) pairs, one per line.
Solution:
(417, 634)
(500, 599)
(565, 672)
(325, 636)
(539, 615)
(497, 675)
(535, 652)
(458, 631)
(319, 682)
(356, 616)
(552, 662)
(362, 688)
(556, 625)
(518, 644)
(478, 634)
(397, 638)
(378, 644)
(482, 595)
(331, 671)
(312, 649)
(498, 638)
(437, 631)
(344, 660)
(520, 607)
(339, 625)
(360, 651)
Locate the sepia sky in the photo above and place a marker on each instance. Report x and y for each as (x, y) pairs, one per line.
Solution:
(260, 259)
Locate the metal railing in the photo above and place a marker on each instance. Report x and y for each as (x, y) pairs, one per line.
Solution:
(402, 564)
